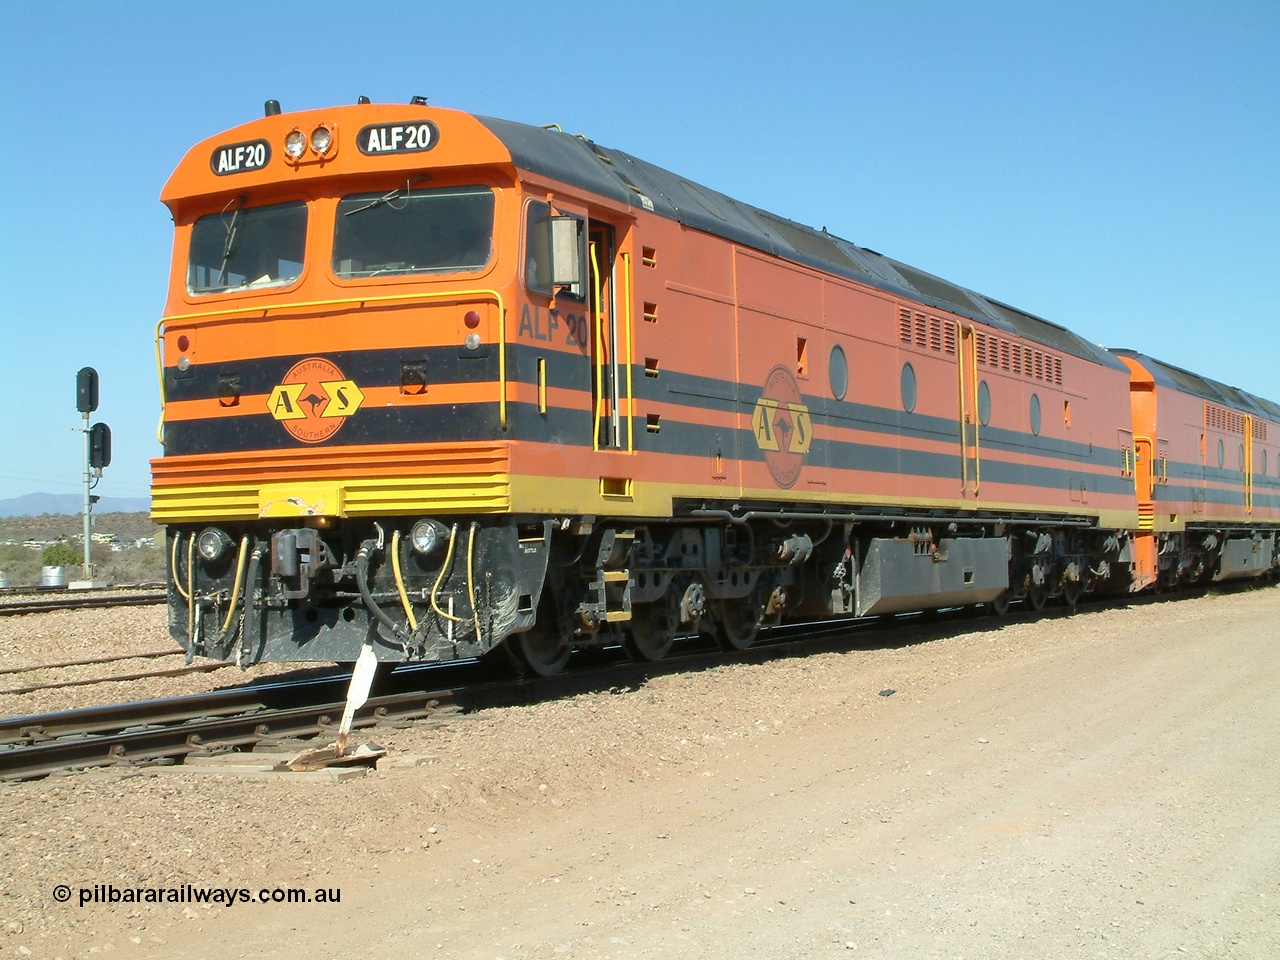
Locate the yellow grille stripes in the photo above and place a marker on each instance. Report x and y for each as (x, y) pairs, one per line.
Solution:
(361, 481)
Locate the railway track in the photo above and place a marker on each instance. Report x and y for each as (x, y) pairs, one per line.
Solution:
(62, 588)
(167, 731)
(44, 603)
(8, 674)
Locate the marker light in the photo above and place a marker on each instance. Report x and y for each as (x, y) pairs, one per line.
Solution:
(472, 319)
(295, 144)
(473, 341)
(427, 535)
(321, 140)
(212, 544)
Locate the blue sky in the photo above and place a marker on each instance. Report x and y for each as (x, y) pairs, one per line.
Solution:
(1113, 167)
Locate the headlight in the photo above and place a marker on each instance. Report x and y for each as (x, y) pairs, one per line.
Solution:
(321, 140)
(212, 544)
(295, 144)
(427, 535)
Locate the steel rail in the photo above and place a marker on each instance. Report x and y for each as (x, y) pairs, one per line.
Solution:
(117, 678)
(94, 661)
(99, 720)
(74, 602)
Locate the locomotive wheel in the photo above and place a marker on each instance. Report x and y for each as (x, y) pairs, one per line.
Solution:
(1000, 605)
(542, 652)
(1036, 596)
(739, 624)
(1072, 590)
(645, 640)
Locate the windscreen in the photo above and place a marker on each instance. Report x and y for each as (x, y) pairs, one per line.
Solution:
(413, 231)
(243, 247)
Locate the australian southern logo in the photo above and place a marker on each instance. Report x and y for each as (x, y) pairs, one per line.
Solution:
(782, 425)
(314, 400)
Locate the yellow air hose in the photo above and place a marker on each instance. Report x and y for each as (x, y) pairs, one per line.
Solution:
(395, 568)
(444, 570)
(235, 586)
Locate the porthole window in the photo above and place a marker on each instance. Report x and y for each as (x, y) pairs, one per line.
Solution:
(984, 403)
(838, 372)
(1222, 455)
(908, 388)
(1035, 414)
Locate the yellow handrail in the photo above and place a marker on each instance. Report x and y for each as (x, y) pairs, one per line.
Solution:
(471, 577)
(964, 440)
(977, 419)
(631, 429)
(460, 295)
(967, 358)
(1248, 464)
(598, 392)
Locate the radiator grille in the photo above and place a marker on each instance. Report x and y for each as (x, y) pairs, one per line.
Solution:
(934, 333)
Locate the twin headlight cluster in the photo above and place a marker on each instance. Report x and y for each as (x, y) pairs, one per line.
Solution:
(321, 142)
(425, 538)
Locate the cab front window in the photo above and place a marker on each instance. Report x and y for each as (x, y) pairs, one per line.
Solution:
(411, 230)
(242, 248)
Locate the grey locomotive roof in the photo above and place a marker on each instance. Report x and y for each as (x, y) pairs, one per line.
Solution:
(1168, 375)
(619, 176)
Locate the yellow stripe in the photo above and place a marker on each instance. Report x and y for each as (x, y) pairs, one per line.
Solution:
(350, 498)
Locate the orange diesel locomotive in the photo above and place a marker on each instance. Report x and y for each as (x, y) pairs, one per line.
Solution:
(449, 386)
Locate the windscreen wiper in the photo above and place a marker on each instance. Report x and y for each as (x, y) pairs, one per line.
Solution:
(395, 194)
(229, 245)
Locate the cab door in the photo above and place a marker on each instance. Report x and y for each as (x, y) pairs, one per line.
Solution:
(1247, 467)
(970, 421)
(573, 259)
(608, 293)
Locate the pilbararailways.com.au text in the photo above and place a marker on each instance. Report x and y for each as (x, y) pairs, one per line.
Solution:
(109, 893)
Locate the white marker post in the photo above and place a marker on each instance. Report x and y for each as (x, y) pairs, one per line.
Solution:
(357, 693)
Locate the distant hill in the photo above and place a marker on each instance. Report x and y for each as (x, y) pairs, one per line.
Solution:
(70, 527)
(39, 504)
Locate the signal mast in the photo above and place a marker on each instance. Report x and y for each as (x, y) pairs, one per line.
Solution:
(97, 456)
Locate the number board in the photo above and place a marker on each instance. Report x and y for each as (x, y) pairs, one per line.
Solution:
(411, 137)
(240, 157)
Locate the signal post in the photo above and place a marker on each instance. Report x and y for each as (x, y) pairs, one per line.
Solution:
(97, 455)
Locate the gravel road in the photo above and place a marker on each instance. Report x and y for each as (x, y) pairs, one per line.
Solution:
(1102, 785)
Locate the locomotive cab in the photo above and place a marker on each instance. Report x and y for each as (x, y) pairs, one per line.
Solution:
(353, 452)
